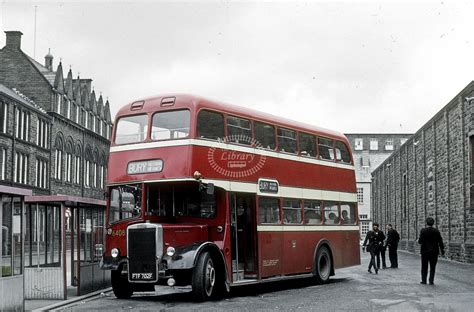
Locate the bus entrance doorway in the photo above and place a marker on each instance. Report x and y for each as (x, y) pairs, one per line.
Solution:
(242, 215)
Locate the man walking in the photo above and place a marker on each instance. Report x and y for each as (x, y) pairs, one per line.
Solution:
(392, 243)
(374, 241)
(431, 243)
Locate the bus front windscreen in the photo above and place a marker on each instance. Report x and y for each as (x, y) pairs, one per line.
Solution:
(125, 202)
(131, 129)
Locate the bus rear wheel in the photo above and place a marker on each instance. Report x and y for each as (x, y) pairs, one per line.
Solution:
(204, 280)
(322, 265)
(120, 285)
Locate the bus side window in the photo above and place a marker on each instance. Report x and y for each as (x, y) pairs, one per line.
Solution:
(312, 212)
(239, 130)
(331, 213)
(287, 141)
(264, 135)
(342, 153)
(348, 213)
(307, 145)
(210, 125)
(269, 210)
(291, 211)
(326, 148)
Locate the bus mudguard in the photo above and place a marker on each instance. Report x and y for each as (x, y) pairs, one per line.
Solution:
(321, 242)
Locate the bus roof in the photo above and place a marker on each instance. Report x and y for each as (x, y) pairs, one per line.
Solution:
(153, 104)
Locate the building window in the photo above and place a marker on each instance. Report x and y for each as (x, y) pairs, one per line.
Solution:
(100, 128)
(77, 114)
(102, 177)
(374, 144)
(359, 144)
(93, 122)
(364, 228)
(77, 170)
(86, 173)
(3, 117)
(360, 195)
(68, 109)
(42, 133)
(389, 145)
(22, 122)
(41, 173)
(363, 217)
(20, 168)
(3, 162)
(58, 164)
(69, 168)
(86, 120)
(59, 100)
(94, 175)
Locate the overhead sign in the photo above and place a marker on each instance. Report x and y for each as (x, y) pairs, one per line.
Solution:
(145, 166)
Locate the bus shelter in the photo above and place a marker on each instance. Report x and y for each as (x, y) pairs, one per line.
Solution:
(11, 248)
(63, 245)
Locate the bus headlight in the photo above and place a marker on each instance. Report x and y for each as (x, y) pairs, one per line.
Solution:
(170, 251)
(114, 252)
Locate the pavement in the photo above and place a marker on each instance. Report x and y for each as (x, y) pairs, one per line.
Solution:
(352, 289)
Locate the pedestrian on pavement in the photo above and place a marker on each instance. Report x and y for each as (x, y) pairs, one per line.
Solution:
(431, 244)
(381, 254)
(374, 241)
(392, 243)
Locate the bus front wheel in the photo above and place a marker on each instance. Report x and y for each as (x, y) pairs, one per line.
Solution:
(204, 280)
(120, 285)
(322, 265)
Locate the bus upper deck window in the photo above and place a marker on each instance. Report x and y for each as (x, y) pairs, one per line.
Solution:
(210, 125)
(170, 125)
(326, 148)
(239, 130)
(131, 129)
(287, 140)
(307, 145)
(264, 135)
(342, 153)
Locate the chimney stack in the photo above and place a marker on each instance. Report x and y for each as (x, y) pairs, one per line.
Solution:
(13, 39)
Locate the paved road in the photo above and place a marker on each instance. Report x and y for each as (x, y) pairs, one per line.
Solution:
(352, 289)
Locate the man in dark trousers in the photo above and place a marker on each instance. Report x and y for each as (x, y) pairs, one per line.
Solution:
(431, 243)
(392, 243)
(374, 242)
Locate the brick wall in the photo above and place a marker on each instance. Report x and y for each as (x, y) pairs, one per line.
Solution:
(436, 163)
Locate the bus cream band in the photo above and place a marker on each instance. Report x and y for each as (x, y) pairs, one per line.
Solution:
(306, 228)
(284, 191)
(232, 147)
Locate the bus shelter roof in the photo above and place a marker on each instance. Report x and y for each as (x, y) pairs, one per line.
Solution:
(67, 200)
(15, 190)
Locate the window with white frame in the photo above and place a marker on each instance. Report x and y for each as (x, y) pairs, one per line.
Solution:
(58, 164)
(100, 128)
(20, 168)
(360, 195)
(69, 168)
(389, 145)
(77, 114)
(374, 144)
(59, 101)
(86, 120)
(363, 216)
(102, 177)
(77, 169)
(3, 162)
(3, 117)
(41, 173)
(68, 109)
(364, 228)
(87, 177)
(107, 132)
(358, 144)
(92, 121)
(42, 133)
(94, 175)
(22, 124)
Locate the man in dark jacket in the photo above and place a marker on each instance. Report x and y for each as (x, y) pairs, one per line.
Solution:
(392, 243)
(374, 242)
(431, 243)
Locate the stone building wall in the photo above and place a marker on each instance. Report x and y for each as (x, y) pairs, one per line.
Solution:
(430, 176)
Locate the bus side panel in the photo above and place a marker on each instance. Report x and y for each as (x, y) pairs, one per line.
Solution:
(294, 253)
(270, 253)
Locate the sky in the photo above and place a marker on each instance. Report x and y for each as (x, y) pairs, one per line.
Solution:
(372, 67)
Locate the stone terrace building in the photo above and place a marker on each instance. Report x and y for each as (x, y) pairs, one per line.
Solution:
(54, 140)
(432, 175)
(369, 150)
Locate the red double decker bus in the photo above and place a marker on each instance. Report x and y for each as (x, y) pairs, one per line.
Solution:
(211, 195)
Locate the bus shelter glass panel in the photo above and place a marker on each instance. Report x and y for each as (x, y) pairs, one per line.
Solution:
(43, 236)
(11, 248)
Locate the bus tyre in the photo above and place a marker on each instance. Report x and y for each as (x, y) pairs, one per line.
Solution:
(204, 280)
(322, 265)
(120, 285)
